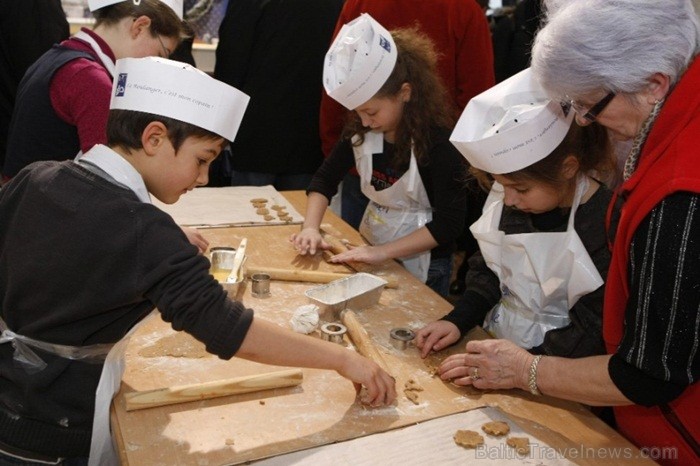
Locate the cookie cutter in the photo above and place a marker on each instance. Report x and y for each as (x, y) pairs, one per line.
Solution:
(261, 285)
(333, 332)
(401, 337)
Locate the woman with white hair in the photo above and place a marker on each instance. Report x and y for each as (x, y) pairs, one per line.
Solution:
(631, 66)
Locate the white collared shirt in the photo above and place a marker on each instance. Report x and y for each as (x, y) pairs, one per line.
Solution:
(115, 166)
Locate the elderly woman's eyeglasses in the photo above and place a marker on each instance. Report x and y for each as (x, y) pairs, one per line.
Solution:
(591, 113)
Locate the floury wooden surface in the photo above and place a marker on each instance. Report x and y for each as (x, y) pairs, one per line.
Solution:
(324, 408)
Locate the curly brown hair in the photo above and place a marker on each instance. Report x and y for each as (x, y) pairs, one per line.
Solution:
(429, 106)
(590, 145)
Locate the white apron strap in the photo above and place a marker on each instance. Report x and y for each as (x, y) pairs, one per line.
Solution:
(104, 58)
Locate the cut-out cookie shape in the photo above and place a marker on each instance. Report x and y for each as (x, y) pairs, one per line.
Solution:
(521, 444)
(497, 428)
(468, 438)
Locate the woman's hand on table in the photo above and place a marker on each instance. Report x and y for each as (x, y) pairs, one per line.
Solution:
(196, 238)
(436, 336)
(308, 241)
(488, 364)
(366, 254)
(381, 387)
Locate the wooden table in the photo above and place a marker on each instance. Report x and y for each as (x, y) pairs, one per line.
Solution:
(323, 409)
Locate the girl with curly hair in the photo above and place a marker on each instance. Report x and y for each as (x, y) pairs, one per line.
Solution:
(397, 136)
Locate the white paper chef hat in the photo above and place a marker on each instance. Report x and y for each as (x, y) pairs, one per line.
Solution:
(510, 126)
(176, 5)
(359, 62)
(177, 90)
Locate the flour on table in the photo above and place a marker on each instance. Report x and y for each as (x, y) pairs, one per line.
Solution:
(177, 345)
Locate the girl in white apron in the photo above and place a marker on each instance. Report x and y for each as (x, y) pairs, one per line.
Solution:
(537, 279)
(397, 139)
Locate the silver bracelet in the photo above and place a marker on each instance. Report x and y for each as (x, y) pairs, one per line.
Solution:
(532, 380)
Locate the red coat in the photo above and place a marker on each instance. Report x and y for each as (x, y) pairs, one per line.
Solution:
(670, 162)
(461, 35)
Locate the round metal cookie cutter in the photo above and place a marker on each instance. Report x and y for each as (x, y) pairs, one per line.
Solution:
(401, 337)
(333, 332)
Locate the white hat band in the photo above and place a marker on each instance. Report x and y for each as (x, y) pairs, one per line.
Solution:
(176, 5)
(510, 126)
(179, 91)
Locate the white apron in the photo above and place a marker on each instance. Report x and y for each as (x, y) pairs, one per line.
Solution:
(396, 211)
(104, 58)
(102, 451)
(107, 62)
(542, 275)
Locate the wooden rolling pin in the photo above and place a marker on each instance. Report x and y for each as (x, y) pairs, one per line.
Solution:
(217, 388)
(296, 275)
(361, 339)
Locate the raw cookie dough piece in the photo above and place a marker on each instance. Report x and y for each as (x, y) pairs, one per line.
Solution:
(411, 389)
(268, 218)
(412, 385)
(468, 438)
(432, 370)
(432, 364)
(521, 444)
(412, 395)
(497, 428)
(258, 199)
(277, 207)
(262, 211)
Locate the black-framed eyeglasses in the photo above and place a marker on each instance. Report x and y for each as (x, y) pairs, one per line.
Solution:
(591, 113)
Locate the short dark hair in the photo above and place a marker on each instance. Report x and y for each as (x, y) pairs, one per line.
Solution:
(125, 127)
(164, 20)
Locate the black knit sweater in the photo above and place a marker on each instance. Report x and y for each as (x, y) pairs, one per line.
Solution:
(82, 260)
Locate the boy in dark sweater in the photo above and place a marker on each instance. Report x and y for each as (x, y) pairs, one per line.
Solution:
(86, 256)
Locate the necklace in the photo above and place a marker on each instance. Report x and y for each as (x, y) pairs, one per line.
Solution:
(639, 140)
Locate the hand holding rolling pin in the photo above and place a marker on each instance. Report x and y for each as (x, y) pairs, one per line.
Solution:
(271, 344)
(367, 254)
